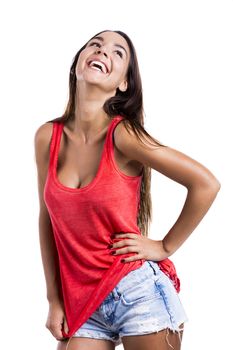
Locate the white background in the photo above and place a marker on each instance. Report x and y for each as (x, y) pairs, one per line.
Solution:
(185, 55)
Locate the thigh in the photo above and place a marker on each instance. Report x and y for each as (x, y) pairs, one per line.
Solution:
(162, 340)
(79, 343)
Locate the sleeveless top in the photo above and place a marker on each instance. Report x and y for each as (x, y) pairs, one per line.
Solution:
(83, 220)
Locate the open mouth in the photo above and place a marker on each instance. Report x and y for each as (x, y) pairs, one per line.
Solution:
(98, 66)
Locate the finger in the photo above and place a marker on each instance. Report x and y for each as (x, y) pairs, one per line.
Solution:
(129, 249)
(132, 258)
(55, 329)
(66, 328)
(124, 242)
(128, 235)
(58, 333)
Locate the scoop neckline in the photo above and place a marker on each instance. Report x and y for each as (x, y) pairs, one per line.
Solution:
(93, 182)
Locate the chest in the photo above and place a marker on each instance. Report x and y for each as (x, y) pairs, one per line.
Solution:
(78, 163)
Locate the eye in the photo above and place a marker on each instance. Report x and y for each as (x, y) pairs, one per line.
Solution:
(120, 53)
(94, 44)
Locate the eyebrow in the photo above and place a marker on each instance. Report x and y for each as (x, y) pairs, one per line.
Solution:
(102, 39)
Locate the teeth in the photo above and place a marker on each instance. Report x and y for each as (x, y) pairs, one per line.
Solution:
(94, 67)
(103, 68)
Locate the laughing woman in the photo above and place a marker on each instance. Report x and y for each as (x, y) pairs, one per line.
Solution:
(107, 282)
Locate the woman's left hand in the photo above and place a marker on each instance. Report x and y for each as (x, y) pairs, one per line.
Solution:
(144, 247)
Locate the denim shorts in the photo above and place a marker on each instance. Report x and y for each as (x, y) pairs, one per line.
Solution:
(144, 301)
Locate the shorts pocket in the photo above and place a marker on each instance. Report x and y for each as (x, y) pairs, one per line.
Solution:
(138, 293)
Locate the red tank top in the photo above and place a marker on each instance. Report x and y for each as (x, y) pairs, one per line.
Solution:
(83, 220)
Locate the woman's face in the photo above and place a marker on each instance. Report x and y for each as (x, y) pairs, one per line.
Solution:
(112, 49)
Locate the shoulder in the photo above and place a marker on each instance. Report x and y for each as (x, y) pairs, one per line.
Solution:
(130, 144)
(43, 134)
(42, 138)
(124, 136)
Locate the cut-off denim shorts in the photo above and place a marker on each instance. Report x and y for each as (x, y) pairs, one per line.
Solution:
(144, 301)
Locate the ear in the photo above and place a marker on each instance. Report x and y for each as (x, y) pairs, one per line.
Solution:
(123, 86)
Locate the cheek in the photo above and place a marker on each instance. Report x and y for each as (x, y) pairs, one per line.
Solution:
(122, 68)
(121, 72)
(81, 60)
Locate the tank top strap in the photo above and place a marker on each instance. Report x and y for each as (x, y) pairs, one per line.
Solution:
(55, 140)
(110, 139)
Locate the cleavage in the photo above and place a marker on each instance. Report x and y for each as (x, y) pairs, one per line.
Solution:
(78, 163)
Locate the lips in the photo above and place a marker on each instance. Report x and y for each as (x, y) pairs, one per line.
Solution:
(102, 63)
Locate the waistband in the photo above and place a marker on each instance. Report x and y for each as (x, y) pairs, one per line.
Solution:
(149, 269)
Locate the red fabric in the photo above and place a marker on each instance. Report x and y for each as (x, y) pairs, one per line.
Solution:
(169, 269)
(83, 221)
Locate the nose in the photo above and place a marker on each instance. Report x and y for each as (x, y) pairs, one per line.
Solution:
(100, 50)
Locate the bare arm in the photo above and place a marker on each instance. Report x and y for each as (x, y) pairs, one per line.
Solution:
(47, 243)
(202, 186)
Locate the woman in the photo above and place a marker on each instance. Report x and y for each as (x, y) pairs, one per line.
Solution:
(94, 169)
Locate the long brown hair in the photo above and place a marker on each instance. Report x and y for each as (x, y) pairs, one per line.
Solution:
(128, 104)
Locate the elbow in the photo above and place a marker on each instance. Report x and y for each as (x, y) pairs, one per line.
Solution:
(217, 186)
(214, 185)
(210, 185)
(211, 188)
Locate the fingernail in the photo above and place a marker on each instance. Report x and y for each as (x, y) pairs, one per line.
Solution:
(110, 246)
(113, 252)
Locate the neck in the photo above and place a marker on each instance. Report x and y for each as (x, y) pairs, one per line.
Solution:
(90, 117)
